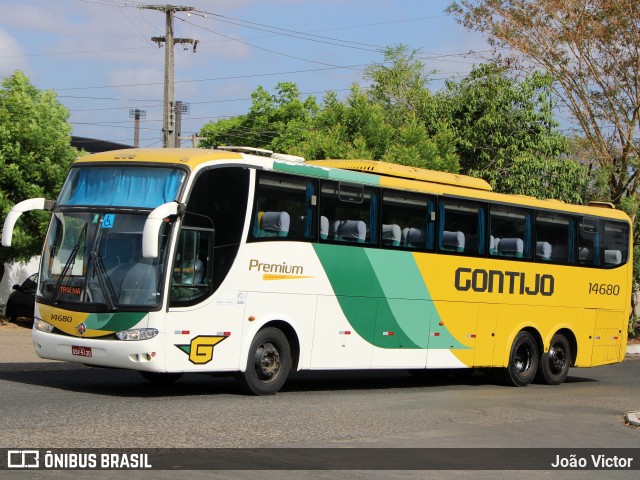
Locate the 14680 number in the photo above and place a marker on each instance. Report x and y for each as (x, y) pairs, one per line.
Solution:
(604, 289)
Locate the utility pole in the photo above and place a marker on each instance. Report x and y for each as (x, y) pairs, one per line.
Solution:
(137, 114)
(194, 139)
(182, 108)
(169, 139)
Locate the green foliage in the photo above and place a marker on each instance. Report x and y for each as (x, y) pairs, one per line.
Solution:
(276, 122)
(487, 125)
(506, 133)
(393, 121)
(35, 155)
(402, 87)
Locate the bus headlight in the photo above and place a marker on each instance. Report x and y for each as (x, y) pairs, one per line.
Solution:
(43, 326)
(137, 334)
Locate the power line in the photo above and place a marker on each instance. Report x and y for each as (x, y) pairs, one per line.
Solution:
(278, 31)
(357, 67)
(83, 52)
(294, 57)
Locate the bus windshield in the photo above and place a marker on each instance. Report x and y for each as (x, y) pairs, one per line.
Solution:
(132, 187)
(95, 259)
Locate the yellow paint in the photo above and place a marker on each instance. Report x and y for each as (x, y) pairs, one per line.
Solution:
(598, 322)
(275, 276)
(191, 157)
(66, 321)
(202, 348)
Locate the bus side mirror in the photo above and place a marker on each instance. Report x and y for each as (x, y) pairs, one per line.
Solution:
(17, 210)
(153, 224)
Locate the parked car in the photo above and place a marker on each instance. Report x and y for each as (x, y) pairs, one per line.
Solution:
(21, 302)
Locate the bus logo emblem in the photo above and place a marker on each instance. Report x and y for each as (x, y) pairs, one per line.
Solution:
(81, 328)
(200, 350)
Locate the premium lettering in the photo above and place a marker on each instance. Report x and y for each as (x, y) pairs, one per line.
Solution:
(275, 267)
(498, 281)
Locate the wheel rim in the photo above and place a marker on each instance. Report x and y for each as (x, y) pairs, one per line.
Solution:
(523, 359)
(267, 362)
(557, 358)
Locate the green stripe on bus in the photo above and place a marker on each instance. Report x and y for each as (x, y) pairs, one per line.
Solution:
(328, 173)
(113, 322)
(384, 297)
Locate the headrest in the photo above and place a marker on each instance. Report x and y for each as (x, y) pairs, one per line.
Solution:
(275, 221)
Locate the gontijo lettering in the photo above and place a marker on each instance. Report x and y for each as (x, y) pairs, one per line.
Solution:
(275, 267)
(497, 281)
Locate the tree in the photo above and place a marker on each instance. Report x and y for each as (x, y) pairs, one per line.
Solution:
(590, 48)
(35, 155)
(385, 123)
(488, 125)
(506, 133)
(276, 122)
(400, 85)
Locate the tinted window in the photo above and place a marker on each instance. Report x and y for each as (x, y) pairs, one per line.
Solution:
(589, 244)
(348, 213)
(284, 208)
(510, 232)
(462, 227)
(220, 197)
(555, 234)
(616, 243)
(408, 220)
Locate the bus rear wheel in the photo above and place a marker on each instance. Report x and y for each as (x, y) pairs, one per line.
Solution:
(554, 364)
(523, 361)
(268, 363)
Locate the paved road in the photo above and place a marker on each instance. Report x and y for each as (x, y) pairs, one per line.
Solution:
(53, 404)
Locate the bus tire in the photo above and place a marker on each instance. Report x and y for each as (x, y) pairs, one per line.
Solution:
(268, 363)
(523, 361)
(160, 378)
(554, 364)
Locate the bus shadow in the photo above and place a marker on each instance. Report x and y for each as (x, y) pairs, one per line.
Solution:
(129, 384)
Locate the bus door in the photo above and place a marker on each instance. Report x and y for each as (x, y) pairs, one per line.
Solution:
(201, 328)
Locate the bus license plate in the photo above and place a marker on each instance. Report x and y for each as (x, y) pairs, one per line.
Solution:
(81, 351)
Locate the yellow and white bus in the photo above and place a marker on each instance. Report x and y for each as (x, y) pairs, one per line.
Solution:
(242, 260)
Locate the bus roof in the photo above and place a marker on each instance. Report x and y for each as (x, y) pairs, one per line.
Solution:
(403, 171)
(192, 157)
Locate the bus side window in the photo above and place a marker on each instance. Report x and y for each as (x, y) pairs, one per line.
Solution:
(284, 208)
(190, 275)
(461, 228)
(555, 237)
(510, 232)
(589, 244)
(348, 213)
(407, 220)
(615, 243)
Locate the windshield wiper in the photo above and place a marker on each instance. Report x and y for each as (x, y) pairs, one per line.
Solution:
(70, 262)
(106, 286)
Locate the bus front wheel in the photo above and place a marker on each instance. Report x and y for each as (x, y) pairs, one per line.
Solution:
(554, 364)
(523, 361)
(268, 363)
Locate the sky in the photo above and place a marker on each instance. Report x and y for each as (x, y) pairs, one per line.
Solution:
(97, 55)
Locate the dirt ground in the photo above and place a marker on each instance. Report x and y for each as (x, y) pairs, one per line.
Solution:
(15, 343)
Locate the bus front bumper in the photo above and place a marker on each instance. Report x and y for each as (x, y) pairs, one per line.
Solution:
(144, 355)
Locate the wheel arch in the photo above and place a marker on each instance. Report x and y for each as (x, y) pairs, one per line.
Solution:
(289, 331)
(573, 342)
(292, 338)
(536, 335)
(503, 360)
